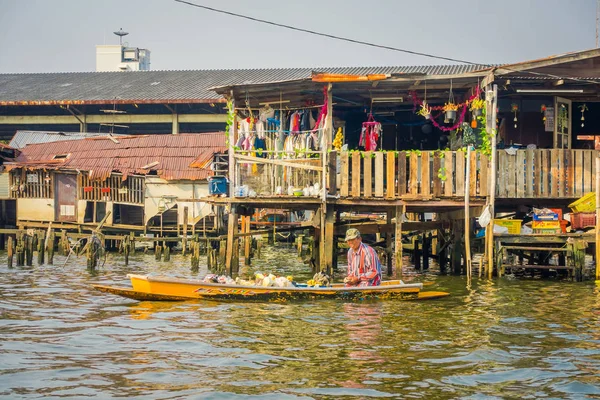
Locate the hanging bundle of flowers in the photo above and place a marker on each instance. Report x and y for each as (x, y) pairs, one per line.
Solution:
(476, 107)
(424, 111)
(450, 109)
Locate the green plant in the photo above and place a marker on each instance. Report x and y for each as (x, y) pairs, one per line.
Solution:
(230, 121)
(424, 111)
(450, 107)
(477, 104)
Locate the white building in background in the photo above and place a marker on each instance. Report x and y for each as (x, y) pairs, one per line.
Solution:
(118, 57)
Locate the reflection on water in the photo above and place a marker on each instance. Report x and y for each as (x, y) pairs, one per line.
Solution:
(507, 338)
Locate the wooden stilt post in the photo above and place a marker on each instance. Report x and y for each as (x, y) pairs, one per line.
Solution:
(468, 217)
(388, 245)
(400, 210)
(247, 240)
(28, 250)
(232, 227)
(426, 250)
(41, 242)
(50, 246)
(10, 251)
(329, 239)
(126, 248)
(157, 251)
(598, 218)
(185, 225)
(167, 252)
(491, 102)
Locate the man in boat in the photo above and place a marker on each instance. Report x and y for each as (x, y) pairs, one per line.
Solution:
(364, 268)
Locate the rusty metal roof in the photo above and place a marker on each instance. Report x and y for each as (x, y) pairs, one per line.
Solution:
(168, 156)
(170, 86)
(23, 138)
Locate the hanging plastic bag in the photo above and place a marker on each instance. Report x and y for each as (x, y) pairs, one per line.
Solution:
(485, 217)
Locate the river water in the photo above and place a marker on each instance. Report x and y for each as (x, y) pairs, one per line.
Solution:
(509, 338)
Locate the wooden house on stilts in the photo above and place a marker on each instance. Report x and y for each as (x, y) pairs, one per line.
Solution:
(398, 144)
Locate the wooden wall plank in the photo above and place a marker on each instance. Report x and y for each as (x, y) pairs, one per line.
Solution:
(435, 172)
(447, 173)
(510, 171)
(520, 172)
(587, 171)
(368, 174)
(578, 173)
(379, 174)
(460, 173)
(537, 165)
(570, 172)
(554, 172)
(502, 175)
(355, 174)
(425, 173)
(390, 181)
(344, 174)
(401, 173)
(529, 173)
(473, 174)
(413, 173)
(484, 175)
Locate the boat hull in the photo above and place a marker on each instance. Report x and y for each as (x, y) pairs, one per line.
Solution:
(144, 296)
(170, 289)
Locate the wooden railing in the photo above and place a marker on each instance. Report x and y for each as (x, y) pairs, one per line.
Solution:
(554, 173)
(551, 173)
(426, 174)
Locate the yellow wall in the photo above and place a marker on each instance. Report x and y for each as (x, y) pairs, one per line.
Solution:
(81, 211)
(157, 189)
(35, 209)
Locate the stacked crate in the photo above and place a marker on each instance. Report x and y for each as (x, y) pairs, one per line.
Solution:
(549, 223)
(584, 212)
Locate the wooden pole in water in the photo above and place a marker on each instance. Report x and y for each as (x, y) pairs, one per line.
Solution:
(10, 251)
(400, 210)
(597, 219)
(40, 247)
(491, 98)
(185, 224)
(247, 239)
(167, 252)
(468, 217)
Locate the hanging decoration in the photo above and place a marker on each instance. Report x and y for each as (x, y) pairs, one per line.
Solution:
(543, 109)
(583, 109)
(417, 102)
(339, 137)
(450, 108)
(369, 134)
(425, 110)
(514, 108)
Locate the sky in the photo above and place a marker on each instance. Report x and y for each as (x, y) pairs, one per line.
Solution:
(61, 35)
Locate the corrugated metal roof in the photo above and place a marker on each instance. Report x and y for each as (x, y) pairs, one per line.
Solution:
(170, 86)
(23, 138)
(101, 156)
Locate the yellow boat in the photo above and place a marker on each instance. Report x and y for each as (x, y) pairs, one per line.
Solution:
(162, 288)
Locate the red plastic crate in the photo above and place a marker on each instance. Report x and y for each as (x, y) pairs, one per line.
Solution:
(583, 220)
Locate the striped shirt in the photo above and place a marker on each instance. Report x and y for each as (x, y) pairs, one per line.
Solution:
(364, 264)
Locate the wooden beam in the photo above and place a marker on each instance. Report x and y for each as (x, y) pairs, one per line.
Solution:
(109, 119)
(284, 163)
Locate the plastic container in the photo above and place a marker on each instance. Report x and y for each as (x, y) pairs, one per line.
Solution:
(513, 225)
(545, 224)
(585, 204)
(217, 185)
(583, 220)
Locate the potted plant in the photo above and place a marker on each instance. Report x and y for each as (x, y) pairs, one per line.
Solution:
(450, 109)
(424, 111)
(477, 106)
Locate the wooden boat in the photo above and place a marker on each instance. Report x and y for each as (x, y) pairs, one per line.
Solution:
(162, 288)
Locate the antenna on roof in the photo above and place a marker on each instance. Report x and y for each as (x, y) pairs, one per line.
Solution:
(120, 33)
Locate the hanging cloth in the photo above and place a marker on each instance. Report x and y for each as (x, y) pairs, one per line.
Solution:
(369, 134)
